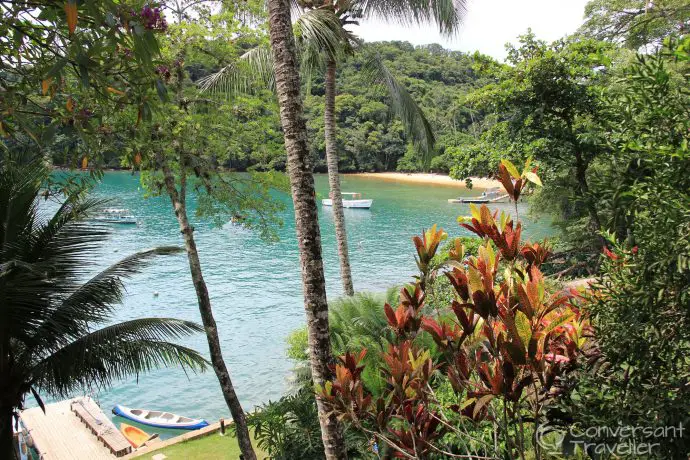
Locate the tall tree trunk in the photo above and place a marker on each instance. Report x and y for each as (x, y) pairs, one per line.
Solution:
(6, 400)
(306, 215)
(334, 180)
(179, 205)
(6, 436)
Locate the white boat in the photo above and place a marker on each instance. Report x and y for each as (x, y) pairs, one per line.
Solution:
(492, 195)
(116, 216)
(355, 201)
(159, 419)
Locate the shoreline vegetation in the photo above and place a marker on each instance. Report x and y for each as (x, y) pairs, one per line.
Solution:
(429, 178)
(481, 183)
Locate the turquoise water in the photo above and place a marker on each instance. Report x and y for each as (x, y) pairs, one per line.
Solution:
(255, 286)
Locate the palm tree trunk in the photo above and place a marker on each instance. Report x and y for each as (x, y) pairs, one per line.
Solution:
(6, 407)
(334, 180)
(6, 436)
(179, 205)
(306, 216)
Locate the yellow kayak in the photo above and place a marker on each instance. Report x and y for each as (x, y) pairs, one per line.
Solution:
(135, 436)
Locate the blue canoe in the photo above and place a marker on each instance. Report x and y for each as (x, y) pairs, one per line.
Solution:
(159, 419)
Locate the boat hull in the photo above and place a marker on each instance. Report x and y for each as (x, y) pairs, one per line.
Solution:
(116, 221)
(158, 419)
(355, 204)
(500, 199)
(135, 436)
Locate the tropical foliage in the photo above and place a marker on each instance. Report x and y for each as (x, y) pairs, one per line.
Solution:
(53, 303)
(641, 379)
(66, 66)
(288, 429)
(548, 107)
(636, 23)
(504, 344)
(368, 138)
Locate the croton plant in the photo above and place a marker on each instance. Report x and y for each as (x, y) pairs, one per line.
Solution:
(503, 344)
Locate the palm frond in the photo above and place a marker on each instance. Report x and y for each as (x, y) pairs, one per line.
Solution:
(19, 187)
(320, 30)
(92, 302)
(47, 315)
(319, 36)
(255, 67)
(446, 14)
(115, 352)
(47, 256)
(63, 244)
(358, 322)
(402, 104)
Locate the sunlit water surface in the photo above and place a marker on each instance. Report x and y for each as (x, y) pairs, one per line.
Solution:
(255, 286)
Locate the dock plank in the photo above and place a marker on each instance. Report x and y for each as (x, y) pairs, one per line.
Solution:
(60, 434)
(96, 421)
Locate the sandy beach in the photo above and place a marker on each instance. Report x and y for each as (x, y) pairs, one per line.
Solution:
(428, 178)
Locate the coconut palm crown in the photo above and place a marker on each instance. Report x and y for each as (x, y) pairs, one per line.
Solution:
(49, 316)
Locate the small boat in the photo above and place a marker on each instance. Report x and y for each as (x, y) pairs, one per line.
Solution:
(136, 436)
(492, 195)
(159, 419)
(116, 216)
(355, 201)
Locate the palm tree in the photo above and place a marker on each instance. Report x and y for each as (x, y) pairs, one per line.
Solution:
(287, 81)
(322, 33)
(447, 14)
(324, 40)
(49, 341)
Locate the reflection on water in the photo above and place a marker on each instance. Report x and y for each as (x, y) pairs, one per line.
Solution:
(255, 286)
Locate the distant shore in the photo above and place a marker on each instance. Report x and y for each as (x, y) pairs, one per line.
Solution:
(480, 183)
(429, 178)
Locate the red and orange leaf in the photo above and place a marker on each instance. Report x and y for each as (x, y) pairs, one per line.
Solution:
(45, 85)
(112, 90)
(71, 11)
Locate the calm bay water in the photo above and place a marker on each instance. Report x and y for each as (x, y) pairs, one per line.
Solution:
(255, 286)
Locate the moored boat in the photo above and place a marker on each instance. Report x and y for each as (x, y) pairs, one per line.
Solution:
(355, 201)
(136, 436)
(159, 419)
(493, 195)
(116, 216)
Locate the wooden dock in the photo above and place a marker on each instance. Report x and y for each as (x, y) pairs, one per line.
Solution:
(62, 434)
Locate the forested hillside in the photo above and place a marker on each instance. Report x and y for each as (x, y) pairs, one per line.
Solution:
(370, 138)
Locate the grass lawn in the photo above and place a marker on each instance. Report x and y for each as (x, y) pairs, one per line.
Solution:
(211, 447)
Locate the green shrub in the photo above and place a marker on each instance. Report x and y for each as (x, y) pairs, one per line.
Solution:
(297, 345)
(640, 310)
(411, 161)
(470, 160)
(288, 429)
